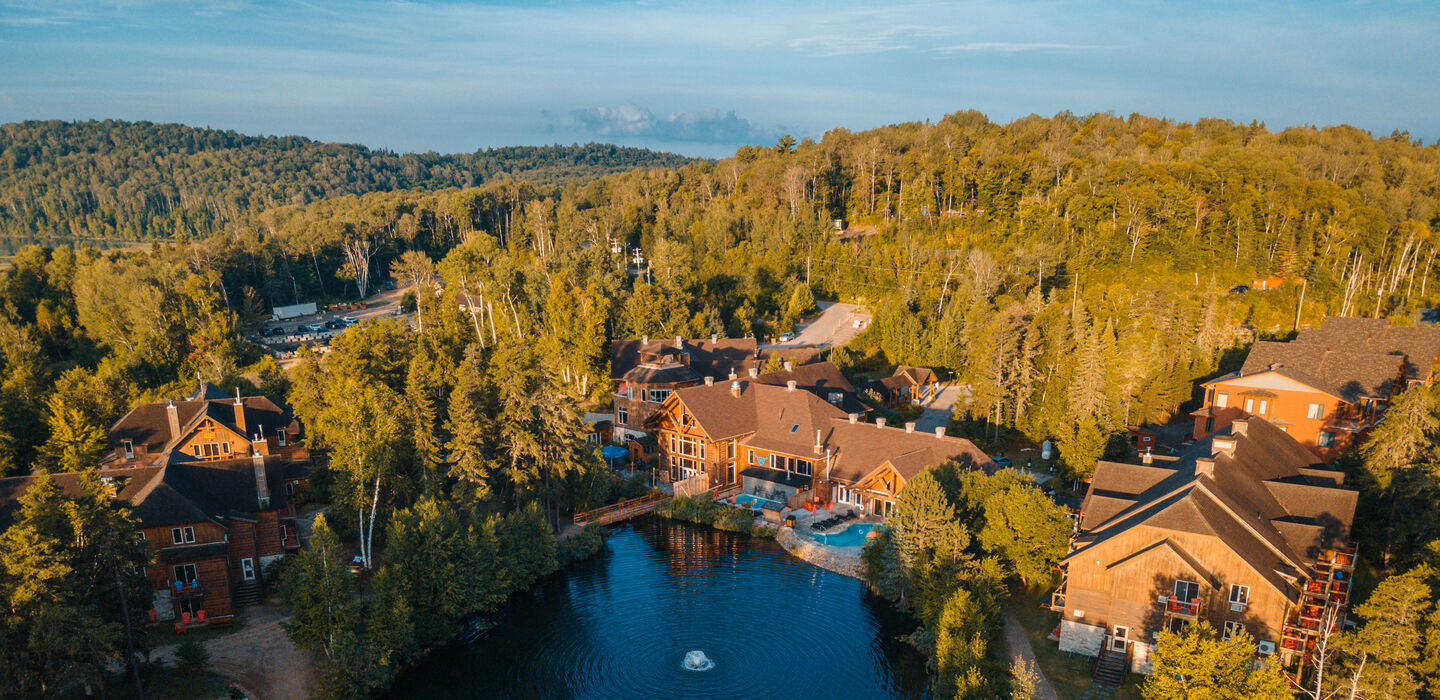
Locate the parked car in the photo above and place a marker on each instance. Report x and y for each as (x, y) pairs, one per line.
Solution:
(1001, 460)
(332, 325)
(1240, 289)
(264, 332)
(350, 320)
(314, 328)
(787, 337)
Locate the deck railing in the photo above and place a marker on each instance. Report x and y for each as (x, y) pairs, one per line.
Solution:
(616, 512)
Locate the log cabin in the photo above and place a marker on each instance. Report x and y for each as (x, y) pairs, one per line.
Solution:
(1328, 386)
(1247, 529)
(794, 446)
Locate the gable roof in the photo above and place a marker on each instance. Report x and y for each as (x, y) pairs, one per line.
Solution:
(712, 357)
(819, 378)
(148, 424)
(1251, 486)
(1351, 358)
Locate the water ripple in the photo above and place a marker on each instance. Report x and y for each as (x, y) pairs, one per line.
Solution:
(620, 625)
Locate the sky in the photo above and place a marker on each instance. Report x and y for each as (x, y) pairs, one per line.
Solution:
(702, 78)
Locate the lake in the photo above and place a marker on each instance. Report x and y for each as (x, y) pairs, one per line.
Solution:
(620, 625)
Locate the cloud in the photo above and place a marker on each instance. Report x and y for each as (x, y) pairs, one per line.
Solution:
(705, 126)
(1014, 47)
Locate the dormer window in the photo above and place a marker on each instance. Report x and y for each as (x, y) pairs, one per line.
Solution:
(280, 437)
(129, 448)
(836, 397)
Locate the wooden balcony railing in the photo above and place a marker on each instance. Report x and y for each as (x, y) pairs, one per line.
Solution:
(1182, 608)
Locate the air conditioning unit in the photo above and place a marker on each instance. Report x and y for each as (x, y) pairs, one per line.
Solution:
(1267, 648)
(1163, 599)
(1237, 607)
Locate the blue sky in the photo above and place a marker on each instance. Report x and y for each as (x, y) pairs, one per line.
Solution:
(704, 77)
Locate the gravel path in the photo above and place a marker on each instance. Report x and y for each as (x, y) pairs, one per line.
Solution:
(1018, 645)
(259, 656)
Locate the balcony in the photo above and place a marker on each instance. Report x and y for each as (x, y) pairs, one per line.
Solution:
(1057, 599)
(1185, 609)
(181, 589)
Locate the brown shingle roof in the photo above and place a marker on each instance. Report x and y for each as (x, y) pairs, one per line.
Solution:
(1348, 375)
(1266, 498)
(712, 358)
(148, 424)
(820, 378)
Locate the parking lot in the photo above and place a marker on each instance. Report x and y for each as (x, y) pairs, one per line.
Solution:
(283, 338)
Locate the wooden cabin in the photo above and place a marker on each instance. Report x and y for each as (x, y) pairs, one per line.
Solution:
(907, 385)
(1328, 386)
(1243, 531)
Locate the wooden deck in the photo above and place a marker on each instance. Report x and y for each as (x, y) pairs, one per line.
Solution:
(623, 510)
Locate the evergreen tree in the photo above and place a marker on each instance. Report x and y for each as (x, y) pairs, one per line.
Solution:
(76, 441)
(471, 443)
(318, 588)
(1195, 665)
(1383, 655)
(1027, 529)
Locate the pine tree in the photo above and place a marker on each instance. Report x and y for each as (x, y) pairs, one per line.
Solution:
(76, 440)
(1195, 664)
(1383, 654)
(1405, 441)
(471, 443)
(318, 588)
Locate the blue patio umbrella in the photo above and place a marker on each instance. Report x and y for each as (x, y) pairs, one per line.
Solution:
(614, 452)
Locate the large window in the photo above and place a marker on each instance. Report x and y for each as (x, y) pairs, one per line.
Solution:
(212, 450)
(1316, 411)
(657, 395)
(689, 447)
(1232, 629)
(1187, 590)
(622, 415)
(1249, 405)
(186, 573)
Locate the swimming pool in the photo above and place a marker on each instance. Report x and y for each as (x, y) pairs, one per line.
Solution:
(853, 536)
(750, 500)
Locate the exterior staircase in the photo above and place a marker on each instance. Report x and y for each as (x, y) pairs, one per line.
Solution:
(1111, 666)
(246, 593)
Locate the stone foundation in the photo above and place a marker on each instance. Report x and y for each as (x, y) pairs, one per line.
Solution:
(828, 558)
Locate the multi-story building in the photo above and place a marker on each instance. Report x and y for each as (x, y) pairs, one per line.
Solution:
(793, 445)
(1247, 529)
(1327, 386)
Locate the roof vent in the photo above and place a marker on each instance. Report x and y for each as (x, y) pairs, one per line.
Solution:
(910, 426)
(854, 418)
(709, 381)
(940, 432)
(790, 385)
(732, 375)
(1276, 365)
(879, 422)
(1147, 458)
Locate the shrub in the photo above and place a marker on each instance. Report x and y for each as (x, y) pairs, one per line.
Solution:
(191, 657)
(582, 546)
(734, 520)
(695, 509)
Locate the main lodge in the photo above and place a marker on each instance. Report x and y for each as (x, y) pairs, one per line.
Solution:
(794, 445)
(210, 481)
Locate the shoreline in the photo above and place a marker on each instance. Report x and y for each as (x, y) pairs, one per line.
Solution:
(828, 558)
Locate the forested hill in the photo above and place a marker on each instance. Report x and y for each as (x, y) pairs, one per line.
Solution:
(136, 180)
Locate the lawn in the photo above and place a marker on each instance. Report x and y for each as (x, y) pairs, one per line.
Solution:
(1069, 673)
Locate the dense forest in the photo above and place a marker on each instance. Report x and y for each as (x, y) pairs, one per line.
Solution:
(138, 180)
(1074, 274)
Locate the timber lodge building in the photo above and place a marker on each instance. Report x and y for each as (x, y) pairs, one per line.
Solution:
(794, 444)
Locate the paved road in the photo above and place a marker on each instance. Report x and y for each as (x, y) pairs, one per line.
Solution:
(834, 326)
(937, 412)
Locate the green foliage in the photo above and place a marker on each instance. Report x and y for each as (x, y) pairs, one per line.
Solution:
(192, 658)
(319, 590)
(1195, 664)
(1382, 658)
(1026, 529)
(696, 509)
(582, 546)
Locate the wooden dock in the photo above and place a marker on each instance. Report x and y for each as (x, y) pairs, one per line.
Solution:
(623, 510)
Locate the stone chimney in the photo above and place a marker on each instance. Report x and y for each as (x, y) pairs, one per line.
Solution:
(239, 412)
(709, 381)
(854, 418)
(1146, 458)
(1206, 466)
(679, 344)
(790, 385)
(910, 427)
(735, 389)
(173, 414)
(879, 422)
(262, 486)
(754, 372)
(940, 432)
(789, 366)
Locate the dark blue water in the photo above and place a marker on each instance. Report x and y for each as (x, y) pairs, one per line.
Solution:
(619, 625)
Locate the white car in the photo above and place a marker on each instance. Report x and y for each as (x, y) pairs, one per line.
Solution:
(349, 320)
(314, 328)
(787, 337)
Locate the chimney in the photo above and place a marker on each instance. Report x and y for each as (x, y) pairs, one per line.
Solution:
(1223, 445)
(239, 412)
(258, 445)
(789, 366)
(1206, 466)
(1239, 426)
(735, 389)
(818, 444)
(1146, 458)
(854, 418)
(709, 381)
(679, 344)
(644, 340)
(879, 422)
(940, 432)
(790, 385)
(173, 414)
(754, 372)
(910, 427)
(714, 339)
(732, 375)
(262, 487)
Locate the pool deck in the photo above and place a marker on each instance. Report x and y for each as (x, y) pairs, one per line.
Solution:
(841, 560)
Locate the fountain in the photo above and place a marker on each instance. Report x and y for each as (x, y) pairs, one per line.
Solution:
(696, 660)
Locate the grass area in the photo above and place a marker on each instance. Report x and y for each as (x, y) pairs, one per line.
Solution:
(1069, 673)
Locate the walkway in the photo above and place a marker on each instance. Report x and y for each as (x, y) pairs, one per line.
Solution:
(259, 656)
(1018, 646)
(937, 412)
